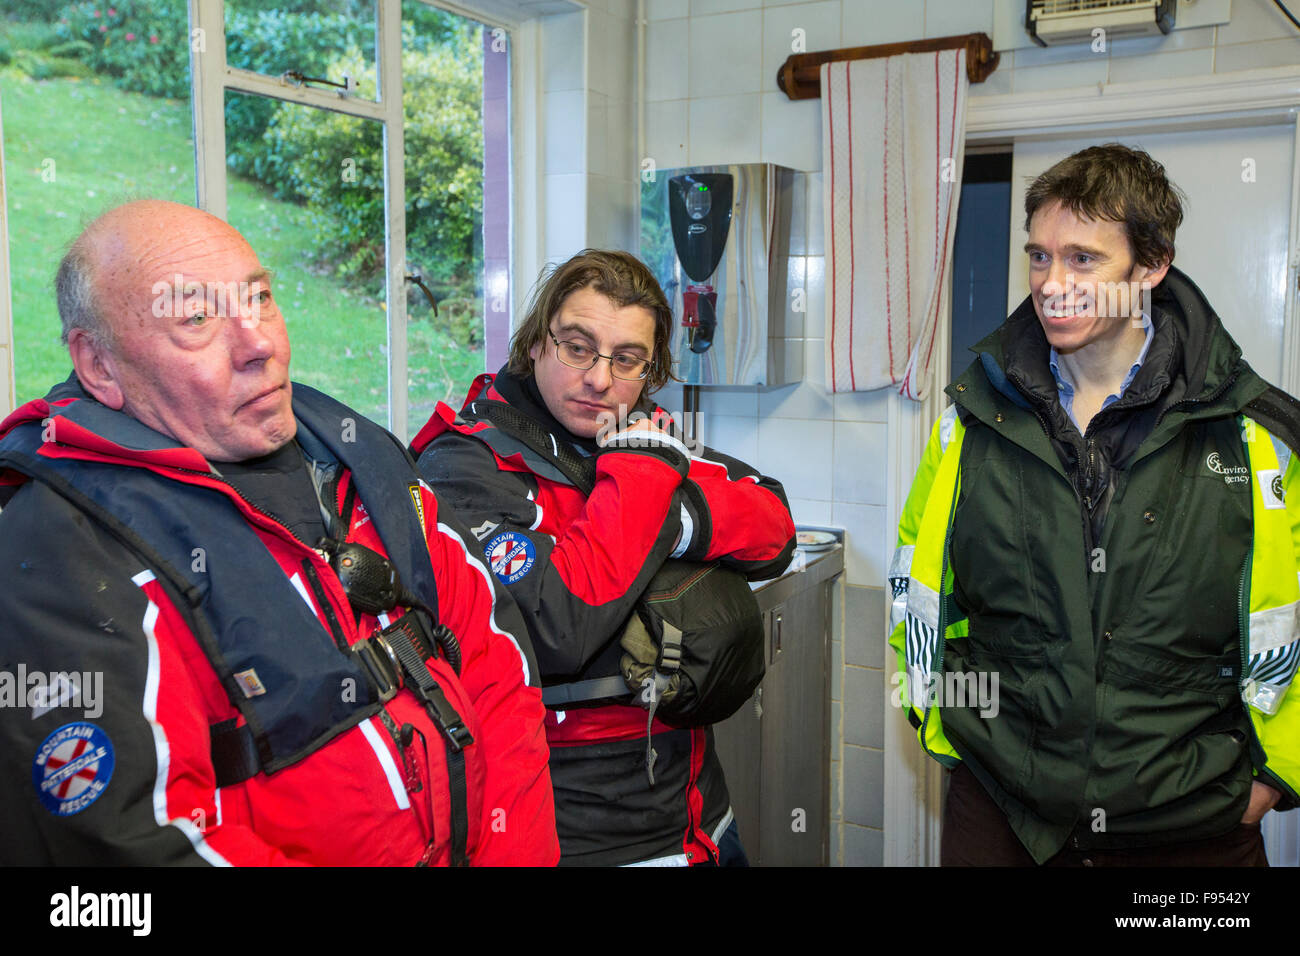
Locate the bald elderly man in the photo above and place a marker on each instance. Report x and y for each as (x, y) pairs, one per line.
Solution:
(237, 630)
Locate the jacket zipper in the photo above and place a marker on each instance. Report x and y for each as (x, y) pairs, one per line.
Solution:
(1085, 501)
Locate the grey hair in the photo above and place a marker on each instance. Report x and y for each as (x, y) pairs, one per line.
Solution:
(74, 288)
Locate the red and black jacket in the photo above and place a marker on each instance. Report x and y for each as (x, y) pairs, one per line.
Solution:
(79, 598)
(576, 566)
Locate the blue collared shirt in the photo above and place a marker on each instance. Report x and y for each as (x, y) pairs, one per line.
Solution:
(1065, 387)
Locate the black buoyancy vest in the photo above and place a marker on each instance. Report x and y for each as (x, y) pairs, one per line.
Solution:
(245, 612)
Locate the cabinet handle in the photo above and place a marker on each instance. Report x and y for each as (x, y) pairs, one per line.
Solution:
(778, 635)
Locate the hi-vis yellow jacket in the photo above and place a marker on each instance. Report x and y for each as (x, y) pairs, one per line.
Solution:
(925, 604)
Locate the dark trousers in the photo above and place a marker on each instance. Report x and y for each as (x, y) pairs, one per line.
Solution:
(976, 833)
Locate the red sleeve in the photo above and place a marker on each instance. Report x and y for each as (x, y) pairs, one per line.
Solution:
(500, 676)
(579, 587)
(735, 515)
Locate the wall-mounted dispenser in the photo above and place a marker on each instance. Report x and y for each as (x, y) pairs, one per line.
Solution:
(718, 240)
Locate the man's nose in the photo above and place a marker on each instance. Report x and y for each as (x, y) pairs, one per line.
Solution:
(1059, 280)
(252, 338)
(600, 376)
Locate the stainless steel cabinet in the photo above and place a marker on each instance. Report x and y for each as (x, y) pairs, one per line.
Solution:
(775, 750)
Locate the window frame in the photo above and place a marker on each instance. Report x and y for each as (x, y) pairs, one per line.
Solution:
(211, 77)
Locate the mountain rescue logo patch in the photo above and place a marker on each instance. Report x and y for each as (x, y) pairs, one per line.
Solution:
(72, 768)
(510, 555)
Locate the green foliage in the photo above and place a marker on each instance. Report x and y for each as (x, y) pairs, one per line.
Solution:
(334, 163)
(40, 66)
(142, 44)
(111, 146)
(330, 163)
(23, 35)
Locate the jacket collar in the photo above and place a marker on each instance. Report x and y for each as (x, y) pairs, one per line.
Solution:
(1191, 358)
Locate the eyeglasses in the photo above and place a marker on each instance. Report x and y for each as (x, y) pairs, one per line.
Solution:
(622, 365)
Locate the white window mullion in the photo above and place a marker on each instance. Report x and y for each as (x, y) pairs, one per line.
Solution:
(208, 101)
(388, 30)
(211, 77)
(7, 398)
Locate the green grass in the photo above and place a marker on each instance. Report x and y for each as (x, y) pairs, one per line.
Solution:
(104, 146)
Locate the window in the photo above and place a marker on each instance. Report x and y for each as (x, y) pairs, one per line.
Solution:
(97, 111)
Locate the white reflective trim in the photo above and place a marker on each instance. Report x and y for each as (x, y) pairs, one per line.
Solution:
(676, 860)
(217, 799)
(900, 569)
(296, 581)
(947, 426)
(923, 602)
(1283, 452)
(900, 566)
(162, 748)
(1273, 627)
(721, 828)
(688, 529)
(641, 437)
(386, 761)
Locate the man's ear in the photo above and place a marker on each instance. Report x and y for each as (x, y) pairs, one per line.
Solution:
(1154, 275)
(95, 368)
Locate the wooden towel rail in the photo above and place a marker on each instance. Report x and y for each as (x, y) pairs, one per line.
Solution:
(800, 75)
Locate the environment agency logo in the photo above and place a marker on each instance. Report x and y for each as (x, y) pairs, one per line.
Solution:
(1232, 474)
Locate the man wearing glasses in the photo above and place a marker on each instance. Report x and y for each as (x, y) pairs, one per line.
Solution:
(592, 347)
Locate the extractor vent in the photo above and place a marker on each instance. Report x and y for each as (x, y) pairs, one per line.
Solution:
(1056, 22)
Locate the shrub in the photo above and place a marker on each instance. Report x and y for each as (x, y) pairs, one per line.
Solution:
(142, 44)
(305, 152)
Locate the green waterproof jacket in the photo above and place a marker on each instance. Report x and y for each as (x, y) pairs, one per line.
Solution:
(1104, 626)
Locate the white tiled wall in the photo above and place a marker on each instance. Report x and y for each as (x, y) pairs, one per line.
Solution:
(712, 98)
(589, 161)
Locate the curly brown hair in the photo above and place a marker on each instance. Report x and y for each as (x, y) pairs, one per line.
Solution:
(619, 276)
(1120, 184)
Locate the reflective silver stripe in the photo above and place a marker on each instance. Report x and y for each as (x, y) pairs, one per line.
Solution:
(923, 602)
(722, 826)
(947, 425)
(901, 564)
(679, 859)
(1283, 452)
(900, 569)
(688, 529)
(1274, 627)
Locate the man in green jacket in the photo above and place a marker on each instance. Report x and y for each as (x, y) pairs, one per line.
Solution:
(1095, 590)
